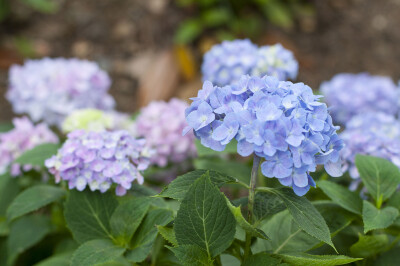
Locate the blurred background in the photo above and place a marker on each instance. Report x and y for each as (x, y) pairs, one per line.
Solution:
(153, 48)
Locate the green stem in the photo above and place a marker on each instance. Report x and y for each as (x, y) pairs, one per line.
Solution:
(253, 182)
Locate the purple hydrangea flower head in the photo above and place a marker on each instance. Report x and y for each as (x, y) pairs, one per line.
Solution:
(352, 94)
(227, 62)
(24, 136)
(161, 124)
(275, 60)
(50, 89)
(100, 159)
(375, 134)
(280, 121)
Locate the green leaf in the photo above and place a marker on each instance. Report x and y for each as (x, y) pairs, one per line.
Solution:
(279, 14)
(345, 198)
(32, 199)
(261, 259)
(191, 255)
(5, 127)
(38, 154)
(188, 31)
(25, 233)
(45, 6)
(237, 213)
(305, 215)
(267, 204)
(178, 188)
(392, 257)
(203, 151)
(144, 237)
(88, 214)
(378, 219)
(216, 17)
(8, 191)
(168, 234)
(62, 259)
(380, 177)
(204, 218)
(230, 168)
(303, 259)
(368, 246)
(96, 252)
(394, 200)
(127, 218)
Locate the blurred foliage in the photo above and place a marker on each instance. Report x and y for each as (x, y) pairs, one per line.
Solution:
(43, 6)
(226, 19)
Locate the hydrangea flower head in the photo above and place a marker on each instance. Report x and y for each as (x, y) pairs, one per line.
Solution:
(375, 134)
(161, 123)
(225, 63)
(97, 120)
(281, 121)
(50, 89)
(100, 159)
(352, 94)
(274, 60)
(24, 136)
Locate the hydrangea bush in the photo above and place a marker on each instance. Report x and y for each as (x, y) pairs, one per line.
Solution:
(227, 62)
(100, 207)
(50, 89)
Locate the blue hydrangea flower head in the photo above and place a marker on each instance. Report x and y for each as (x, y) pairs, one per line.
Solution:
(280, 121)
(375, 134)
(50, 89)
(100, 159)
(275, 60)
(352, 94)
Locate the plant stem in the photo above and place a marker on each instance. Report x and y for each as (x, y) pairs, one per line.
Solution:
(253, 183)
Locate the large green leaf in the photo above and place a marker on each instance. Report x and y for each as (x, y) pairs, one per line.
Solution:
(25, 233)
(305, 215)
(38, 154)
(349, 200)
(204, 218)
(127, 218)
(261, 259)
(303, 259)
(88, 214)
(380, 176)
(32, 199)
(168, 234)
(62, 259)
(204, 151)
(96, 252)
(178, 188)
(191, 255)
(368, 246)
(267, 204)
(144, 237)
(8, 191)
(394, 200)
(378, 218)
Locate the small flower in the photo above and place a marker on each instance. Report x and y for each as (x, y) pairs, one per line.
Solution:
(352, 94)
(24, 136)
(277, 120)
(91, 163)
(51, 89)
(161, 124)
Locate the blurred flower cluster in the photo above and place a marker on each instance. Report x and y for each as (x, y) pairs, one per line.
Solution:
(225, 63)
(280, 121)
(100, 159)
(352, 94)
(24, 136)
(50, 89)
(161, 124)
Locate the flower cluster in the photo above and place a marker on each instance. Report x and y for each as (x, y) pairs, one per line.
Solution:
(225, 63)
(376, 134)
(50, 89)
(161, 123)
(352, 94)
(24, 136)
(280, 121)
(99, 159)
(97, 120)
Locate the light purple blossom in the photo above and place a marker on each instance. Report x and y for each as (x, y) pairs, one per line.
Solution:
(352, 94)
(161, 124)
(277, 120)
(50, 89)
(100, 159)
(24, 136)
